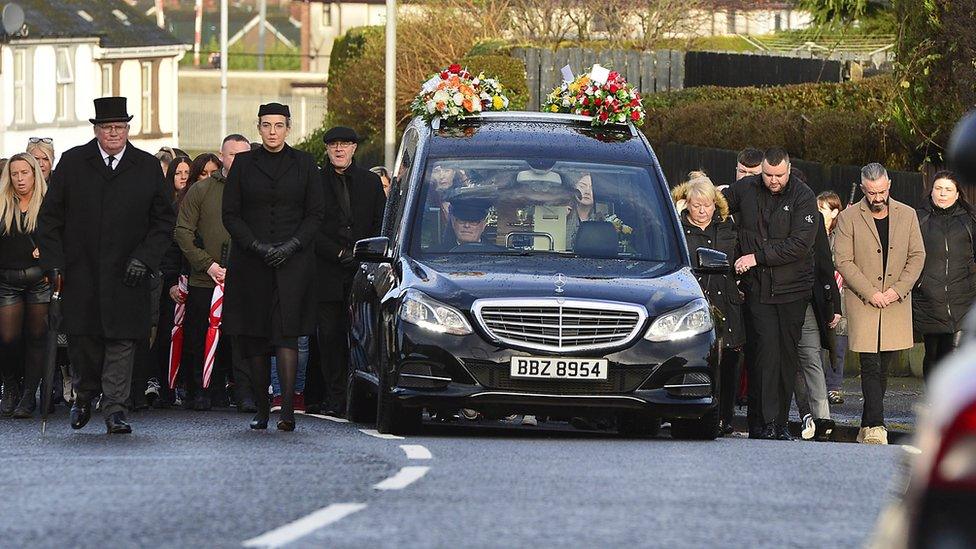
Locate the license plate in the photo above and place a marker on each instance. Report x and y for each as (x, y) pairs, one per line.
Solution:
(558, 368)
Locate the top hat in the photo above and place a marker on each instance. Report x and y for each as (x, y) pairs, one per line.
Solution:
(110, 109)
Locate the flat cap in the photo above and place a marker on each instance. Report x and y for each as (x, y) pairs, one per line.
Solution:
(340, 133)
(274, 108)
(470, 209)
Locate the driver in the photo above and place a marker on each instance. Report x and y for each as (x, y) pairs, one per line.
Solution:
(469, 217)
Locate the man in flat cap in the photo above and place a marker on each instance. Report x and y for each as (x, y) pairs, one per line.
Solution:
(356, 201)
(103, 228)
(469, 217)
(272, 209)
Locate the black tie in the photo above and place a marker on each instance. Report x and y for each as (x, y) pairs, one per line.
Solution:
(111, 160)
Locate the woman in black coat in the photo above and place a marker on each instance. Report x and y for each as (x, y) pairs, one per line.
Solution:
(944, 293)
(706, 224)
(272, 207)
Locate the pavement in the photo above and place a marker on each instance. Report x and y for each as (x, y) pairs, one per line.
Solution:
(190, 479)
(901, 399)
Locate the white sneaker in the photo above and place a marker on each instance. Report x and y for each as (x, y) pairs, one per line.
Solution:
(875, 435)
(809, 428)
(530, 420)
(152, 390)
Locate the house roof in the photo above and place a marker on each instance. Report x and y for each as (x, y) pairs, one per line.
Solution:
(114, 22)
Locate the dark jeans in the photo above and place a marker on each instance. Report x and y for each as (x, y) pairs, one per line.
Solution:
(333, 329)
(835, 371)
(777, 329)
(874, 383)
(937, 347)
(729, 384)
(103, 366)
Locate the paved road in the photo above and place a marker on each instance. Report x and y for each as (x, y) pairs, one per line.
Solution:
(204, 480)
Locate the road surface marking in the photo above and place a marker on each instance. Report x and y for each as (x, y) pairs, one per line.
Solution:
(377, 434)
(910, 449)
(330, 418)
(304, 526)
(416, 451)
(405, 477)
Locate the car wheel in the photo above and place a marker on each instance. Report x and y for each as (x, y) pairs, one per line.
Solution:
(706, 428)
(391, 418)
(638, 424)
(360, 407)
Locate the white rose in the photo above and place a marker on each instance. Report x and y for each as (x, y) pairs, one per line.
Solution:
(431, 107)
(458, 99)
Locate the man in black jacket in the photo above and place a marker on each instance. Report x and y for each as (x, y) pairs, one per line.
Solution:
(356, 201)
(104, 225)
(777, 216)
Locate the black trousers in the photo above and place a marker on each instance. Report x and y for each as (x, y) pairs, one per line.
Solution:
(160, 348)
(227, 363)
(874, 383)
(937, 347)
(333, 331)
(729, 384)
(102, 365)
(777, 329)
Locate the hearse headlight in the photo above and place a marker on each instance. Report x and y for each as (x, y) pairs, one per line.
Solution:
(420, 310)
(690, 320)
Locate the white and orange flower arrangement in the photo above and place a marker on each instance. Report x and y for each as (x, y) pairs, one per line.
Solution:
(454, 93)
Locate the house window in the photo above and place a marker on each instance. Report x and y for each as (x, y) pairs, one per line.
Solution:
(20, 85)
(65, 82)
(147, 114)
(326, 14)
(107, 80)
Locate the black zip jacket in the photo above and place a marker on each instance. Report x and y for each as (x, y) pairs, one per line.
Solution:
(945, 291)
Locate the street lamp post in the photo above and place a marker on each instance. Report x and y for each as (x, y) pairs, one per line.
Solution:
(389, 139)
(224, 61)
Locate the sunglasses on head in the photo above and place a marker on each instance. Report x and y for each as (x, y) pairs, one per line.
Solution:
(47, 140)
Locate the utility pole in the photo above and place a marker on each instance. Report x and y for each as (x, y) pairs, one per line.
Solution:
(197, 28)
(262, 19)
(389, 139)
(224, 62)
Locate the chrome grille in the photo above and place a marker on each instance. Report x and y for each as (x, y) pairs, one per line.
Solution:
(559, 325)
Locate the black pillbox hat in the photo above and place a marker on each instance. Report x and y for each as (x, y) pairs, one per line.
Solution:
(274, 108)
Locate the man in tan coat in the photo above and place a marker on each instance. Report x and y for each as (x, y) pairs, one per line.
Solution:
(879, 252)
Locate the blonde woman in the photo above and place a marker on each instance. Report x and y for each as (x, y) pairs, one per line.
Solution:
(42, 149)
(24, 295)
(706, 223)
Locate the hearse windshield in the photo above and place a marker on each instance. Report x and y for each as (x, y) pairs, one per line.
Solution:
(538, 206)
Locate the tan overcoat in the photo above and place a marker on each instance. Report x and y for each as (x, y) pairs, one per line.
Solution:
(858, 257)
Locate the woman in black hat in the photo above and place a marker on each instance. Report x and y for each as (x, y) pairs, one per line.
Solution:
(273, 206)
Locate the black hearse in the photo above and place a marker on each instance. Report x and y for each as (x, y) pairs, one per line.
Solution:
(531, 263)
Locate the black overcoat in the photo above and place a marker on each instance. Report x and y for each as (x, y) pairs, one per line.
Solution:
(271, 206)
(341, 229)
(944, 293)
(92, 221)
(720, 289)
(826, 295)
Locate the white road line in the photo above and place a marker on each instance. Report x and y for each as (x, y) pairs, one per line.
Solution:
(330, 418)
(305, 525)
(416, 451)
(377, 434)
(910, 449)
(405, 477)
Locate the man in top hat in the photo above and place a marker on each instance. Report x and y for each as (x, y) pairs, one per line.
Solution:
(272, 208)
(356, 200)
(102, 229)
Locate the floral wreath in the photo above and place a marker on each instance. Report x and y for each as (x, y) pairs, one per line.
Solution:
(454, 93)
(601, 94)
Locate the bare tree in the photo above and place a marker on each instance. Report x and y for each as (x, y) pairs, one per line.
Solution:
(545, 21)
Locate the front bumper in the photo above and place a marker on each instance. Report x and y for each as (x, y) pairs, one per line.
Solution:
(449, 372)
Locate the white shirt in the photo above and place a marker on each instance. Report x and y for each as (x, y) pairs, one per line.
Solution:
(105, 155)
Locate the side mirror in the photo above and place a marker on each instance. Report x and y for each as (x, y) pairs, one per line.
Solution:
(372, 250)
(712, 262)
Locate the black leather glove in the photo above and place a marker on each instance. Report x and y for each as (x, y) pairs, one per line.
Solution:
(282, 252)
(135, 272)
(346, 257)
(55, 279)
(264, 250)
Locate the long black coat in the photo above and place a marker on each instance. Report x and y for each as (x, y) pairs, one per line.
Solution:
(270, 207)
(720, 289)
(341, 229)
(944, 293)
(826, 296)
(92, 221)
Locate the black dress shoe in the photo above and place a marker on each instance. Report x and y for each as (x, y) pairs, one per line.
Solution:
(80, 414)
(769, 431)
(286, 425)
(259, 421)
(25, 408)
(115, 424)
(783, 432)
